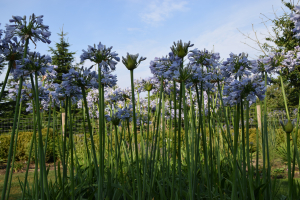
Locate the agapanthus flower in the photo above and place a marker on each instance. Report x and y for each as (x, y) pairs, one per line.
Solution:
(65, 89)
(237, 66)
(10, 50)
(101, 55)
(34, 62)
(114, 95)
(291, 59)
(181, 50)
(205, 77)
(82, 78)
(108, 79)
(74, 81)
(44, 97)
(295, 17)
(34, 29)
(247, 88)
(183, 74)
(165, 67)
(203, 58)
(92, 99)
(264, 65)
(138, 85)
(124, 114)
(27, 94)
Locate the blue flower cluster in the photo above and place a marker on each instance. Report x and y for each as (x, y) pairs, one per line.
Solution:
(35, 30)
(124, 114)
(165, 67)
(295, 17)
(34, 62)
(101, 55)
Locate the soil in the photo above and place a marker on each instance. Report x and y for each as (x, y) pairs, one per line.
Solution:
(276, 164)
(22, 170)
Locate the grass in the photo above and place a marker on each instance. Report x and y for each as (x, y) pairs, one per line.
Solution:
(283, 186)
(15, 191)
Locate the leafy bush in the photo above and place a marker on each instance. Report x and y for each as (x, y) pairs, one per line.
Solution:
(23, 145)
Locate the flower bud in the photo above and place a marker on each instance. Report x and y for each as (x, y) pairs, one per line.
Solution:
(148, 86)
(288, 127)
(131, 61)
(115, 120)
(181, 50)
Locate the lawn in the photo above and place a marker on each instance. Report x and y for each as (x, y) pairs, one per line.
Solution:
(15, 191)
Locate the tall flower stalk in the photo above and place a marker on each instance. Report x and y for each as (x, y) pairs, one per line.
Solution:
(14, 128)
(132, 63)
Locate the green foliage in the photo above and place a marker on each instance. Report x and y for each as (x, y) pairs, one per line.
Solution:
(18, 166)
(275, 97)
(62, 57)
(283, 26)
(23, 145)
(285, 41)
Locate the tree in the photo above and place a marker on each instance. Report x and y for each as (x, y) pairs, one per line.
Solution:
(285, 41)
(62, 58)
(282, 37)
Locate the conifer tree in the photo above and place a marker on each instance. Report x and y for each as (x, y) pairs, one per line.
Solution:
(62, 58)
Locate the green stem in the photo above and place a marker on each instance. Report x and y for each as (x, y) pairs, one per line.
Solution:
(71, 148)
(14, 155)
(186, 133)
(147, 146)
(135, 136)
(14, 126)
(235, 145)
(40, 139)
(6, 77)
(250, 174)
(284, 98)
(244, 181)
(174, 144)
(295, 138)
(29, 156)
(45, 149)
(288, 135)
(267, 141)
(100, 185)
(90, 130)
(12, 140)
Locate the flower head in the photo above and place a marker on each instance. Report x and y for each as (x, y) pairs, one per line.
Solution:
(165, 67)
(204, 58)
(34, 29)
(288, 126)
(181, 50)
(237, 66)
(248, 88)
(101, 55)
(295, 17)
(131, 62)
(34, 62)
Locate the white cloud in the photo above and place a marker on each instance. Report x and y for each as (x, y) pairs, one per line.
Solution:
(226, 38)
(157, 11)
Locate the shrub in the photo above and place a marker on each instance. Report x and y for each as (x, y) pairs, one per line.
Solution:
(23, 145)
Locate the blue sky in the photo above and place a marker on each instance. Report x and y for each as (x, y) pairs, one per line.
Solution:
(148, 27)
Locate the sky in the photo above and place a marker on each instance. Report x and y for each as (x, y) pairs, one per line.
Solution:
(148, 27)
